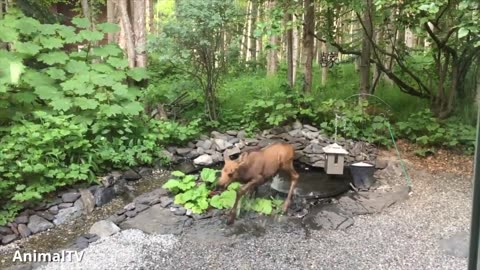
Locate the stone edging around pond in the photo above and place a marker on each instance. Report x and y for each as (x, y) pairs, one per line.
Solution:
(307, 140)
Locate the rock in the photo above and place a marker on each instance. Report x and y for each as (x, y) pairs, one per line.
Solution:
(217, 157)
(165, 201)
(233, 151)
(131, 175)
(67, 214)
(41, 206)
(264, 143)
(193, 154)
(168, 155)
(202, 216)
(78, 204)
(218, 135)
(104, 228)
(156, 220)
(148, 197)
(203, 160)
(199, 143)
(121, 211)
(129, 207)
(7, 239)
(381, 164)
(184, 151)
(38, 224)
(232, 132)
(145, 171)
(191, 145)
(295, 133)
(117, 219)
(297, 125)
(70, 197)
(131, 213)
(207, 145)
(319, 164)
(65, 205)
(251, 142)
(315, 158)
(221, 144)
(120, 186)
(234, 140)
(46, 215)
(186, 166)
(140, 208)
(54, 209)
(358, 148)
(200, 151)
(188, 223)
(457, 245)
(179, 211)
(93, 189)
(104, 195)
(311, 128)
(311, 135)
(331, 219)
(108, 180)
(24, 231)
(241, 134)
(13, 227)
(88, 201)
(21, 219)
(5, 230)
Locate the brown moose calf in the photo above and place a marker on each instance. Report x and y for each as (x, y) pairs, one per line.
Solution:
(255, 167)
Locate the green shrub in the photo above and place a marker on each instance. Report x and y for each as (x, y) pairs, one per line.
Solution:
(69, 115)
(426, 130)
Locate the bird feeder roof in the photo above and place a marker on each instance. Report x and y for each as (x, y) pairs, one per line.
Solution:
(335, 149)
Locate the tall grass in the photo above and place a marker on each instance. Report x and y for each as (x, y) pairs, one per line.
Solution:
(342, 83)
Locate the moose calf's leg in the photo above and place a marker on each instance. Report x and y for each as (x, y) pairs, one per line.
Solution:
(293, 183)
(248, 186)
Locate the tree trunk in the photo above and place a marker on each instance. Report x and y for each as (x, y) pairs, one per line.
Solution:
(86, 10)
(253, 26)
(139, 25)
(296, 51)
(324, 69)
(272, 58)
(365, 54)
(150, 22)
(245, 38)
(128, 32)
(111, 15)
(308, 30)
(289, 40)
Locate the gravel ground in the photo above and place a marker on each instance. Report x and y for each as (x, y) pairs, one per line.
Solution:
(405, 236)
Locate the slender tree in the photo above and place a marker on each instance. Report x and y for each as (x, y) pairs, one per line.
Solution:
(308, 45)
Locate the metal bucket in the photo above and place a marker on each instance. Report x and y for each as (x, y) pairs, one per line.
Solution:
(362, 175)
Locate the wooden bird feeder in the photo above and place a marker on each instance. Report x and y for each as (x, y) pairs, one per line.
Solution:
(335, 158)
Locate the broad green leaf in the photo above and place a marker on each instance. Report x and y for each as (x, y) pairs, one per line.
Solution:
(208, 175)
(8, 34)
(51, 58)
(91, 35)
(133, 108)
(120, 90)
(111, 110)
(56, 73)
(81, 22)
(51, 42)
(20, 187)
(74, 66)
(27, 25)
(16, 69)
(25, 97)
(27, 48)
(119, 63)
(178, 173)
(108, 27)
(101, 96)
(61, 103)
(47, 92)
(138, 73)
(462, 32)
(86, 103)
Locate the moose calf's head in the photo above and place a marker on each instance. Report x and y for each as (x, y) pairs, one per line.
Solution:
(229, 171)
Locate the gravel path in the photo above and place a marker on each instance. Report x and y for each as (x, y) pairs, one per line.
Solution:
(405, 236)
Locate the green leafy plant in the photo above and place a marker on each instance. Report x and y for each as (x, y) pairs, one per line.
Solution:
(226, 199)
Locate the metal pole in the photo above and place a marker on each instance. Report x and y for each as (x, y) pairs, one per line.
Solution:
(475, 223)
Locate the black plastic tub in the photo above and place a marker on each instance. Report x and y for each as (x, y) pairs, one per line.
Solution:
(362, 175)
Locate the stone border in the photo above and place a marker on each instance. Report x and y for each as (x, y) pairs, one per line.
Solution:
(207, 151)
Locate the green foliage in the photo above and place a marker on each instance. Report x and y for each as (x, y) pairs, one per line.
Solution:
(68, 115)
(226, 199)
(426, 130)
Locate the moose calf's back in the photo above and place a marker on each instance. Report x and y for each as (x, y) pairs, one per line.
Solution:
(268, 160)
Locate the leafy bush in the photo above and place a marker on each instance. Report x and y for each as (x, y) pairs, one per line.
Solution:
(68, 115)
(426, 130)
(196, 194)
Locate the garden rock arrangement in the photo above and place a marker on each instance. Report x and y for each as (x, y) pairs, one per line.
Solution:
(67, 206)
(307, 140)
